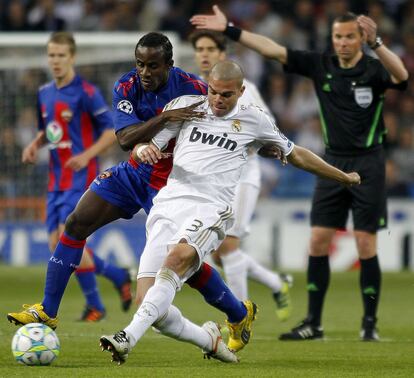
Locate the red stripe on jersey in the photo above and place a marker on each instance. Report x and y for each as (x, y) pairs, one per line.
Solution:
(162, 169)
(87, 141)
(88, 88)
(66, 177)
(52, 177)
(72, 243)
(197, 84)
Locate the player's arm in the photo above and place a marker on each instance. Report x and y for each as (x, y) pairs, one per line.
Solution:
(391, 61)
(304, 159)
(261, 44)
(81, 160)
(29, 154)
(132, 135)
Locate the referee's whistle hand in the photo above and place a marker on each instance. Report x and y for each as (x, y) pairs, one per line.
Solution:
(353, 178)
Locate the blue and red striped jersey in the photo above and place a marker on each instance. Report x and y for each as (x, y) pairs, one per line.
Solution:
(73, 118)
(133, 106)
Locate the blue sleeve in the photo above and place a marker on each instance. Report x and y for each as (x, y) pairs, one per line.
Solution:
(40, 123)
(123, 106)
(193, 85)
(99, 111)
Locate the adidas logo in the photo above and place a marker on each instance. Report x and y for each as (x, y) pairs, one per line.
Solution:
(211, 139)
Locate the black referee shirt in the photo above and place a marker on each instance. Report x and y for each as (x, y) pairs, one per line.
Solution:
(350, 100)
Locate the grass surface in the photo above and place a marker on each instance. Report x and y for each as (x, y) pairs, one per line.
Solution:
(340, 355)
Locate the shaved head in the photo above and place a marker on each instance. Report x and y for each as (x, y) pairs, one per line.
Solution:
(227, 70)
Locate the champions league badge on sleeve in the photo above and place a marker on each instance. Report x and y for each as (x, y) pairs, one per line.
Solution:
(125, 106)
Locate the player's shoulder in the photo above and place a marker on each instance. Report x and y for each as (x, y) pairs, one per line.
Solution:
(126, 83)
(187, 82)
(88, 88)
(186, 100)
(47, 87)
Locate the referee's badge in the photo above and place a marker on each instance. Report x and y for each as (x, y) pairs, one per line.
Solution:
(363, 96)
(236, 125)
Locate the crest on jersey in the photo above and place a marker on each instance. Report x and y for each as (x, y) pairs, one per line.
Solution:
(54, 132)
(125, 106)
(67, 115)
(105, 175)
(236, 126)
(363, 96)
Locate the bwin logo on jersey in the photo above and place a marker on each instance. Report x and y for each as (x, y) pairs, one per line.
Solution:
(220, 141)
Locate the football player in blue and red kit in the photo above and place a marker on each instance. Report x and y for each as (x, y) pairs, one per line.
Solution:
(76, 124)
(120, 192)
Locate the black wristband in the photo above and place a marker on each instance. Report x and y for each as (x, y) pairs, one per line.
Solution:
(232, 32)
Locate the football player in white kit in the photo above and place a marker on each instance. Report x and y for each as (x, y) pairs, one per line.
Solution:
(210, 48)
(192, 213)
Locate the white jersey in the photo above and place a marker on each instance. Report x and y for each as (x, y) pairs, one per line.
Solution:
(210, 152)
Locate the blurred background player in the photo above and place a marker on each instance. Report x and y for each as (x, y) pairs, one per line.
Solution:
(120, 192)
(350, 86)
(210, 48)
(76, 124)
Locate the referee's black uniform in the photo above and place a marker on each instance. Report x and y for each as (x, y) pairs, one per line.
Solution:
(350, 102)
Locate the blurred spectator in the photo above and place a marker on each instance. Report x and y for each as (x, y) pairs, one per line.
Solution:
(393, 184)
(385, 24)
(90, 17)
(15, 19)
(391, 137)
(43, 17)
(403, 155)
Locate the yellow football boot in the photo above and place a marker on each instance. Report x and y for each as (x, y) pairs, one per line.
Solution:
(32, 314)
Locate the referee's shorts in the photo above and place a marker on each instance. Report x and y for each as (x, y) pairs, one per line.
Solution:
(332, 201)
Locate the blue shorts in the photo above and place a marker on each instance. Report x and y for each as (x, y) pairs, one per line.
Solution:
(123, 186)
(59, 205)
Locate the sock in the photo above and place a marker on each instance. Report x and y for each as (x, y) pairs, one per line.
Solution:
(235, 270)
(318, 282)
(370, 283)
(155, 304)
(174, 325)
(216, 293)
(89, 286)
(118, 276)
(261, 274)
(62, 263)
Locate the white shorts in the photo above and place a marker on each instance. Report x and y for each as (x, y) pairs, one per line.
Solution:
(202, 225)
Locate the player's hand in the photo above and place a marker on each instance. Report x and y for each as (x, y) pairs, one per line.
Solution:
(29, 154)
(184, 114)
(272, 151)
(149, 154)
(77, 162)
(217, 22)
(369, 28)
(352, 178)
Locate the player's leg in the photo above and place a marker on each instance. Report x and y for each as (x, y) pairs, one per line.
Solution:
(369, 214)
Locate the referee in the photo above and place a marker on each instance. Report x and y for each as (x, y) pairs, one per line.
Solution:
(350, 86)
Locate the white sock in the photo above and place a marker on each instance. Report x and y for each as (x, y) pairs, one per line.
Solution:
(235, 269)
(154, 305)
(174, 325)
(263, 275)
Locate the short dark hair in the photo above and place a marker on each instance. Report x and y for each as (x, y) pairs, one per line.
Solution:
(63, 38)
(348, 17)
(155, 39)
(219, 39)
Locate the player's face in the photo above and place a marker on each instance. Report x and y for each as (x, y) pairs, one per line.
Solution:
(223, 95)
(60, 60)
(347, 40)
(207, 54)
(152, 68)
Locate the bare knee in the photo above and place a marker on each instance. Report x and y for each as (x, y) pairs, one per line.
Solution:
(74, 228)
(321, 239)
(181, 258)
(366, 244)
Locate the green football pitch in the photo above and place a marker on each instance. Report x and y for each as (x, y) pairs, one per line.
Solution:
(341, 354)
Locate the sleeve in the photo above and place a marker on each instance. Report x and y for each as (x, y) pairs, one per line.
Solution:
(269, 132)
(385, 80)
(40, 123)
(302, 62)
(171, 131)
(100, 112)
(193, 85)
(123, 106)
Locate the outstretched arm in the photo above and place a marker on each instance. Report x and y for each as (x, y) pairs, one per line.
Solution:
(304, 159)
(392, 63)
(261, 44)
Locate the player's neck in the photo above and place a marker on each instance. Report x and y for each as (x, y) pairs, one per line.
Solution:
(63, 81)
(351, 62)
